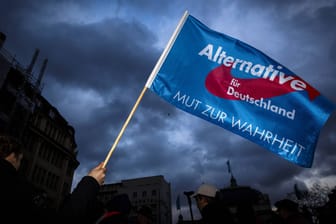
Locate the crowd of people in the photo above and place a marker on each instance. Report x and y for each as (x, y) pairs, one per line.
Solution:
(215, 210)
(20, 203)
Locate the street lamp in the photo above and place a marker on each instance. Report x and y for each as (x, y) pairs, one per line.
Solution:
(188, 194)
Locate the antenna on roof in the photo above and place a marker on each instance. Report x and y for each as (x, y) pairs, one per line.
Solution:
(39, 79)
(233, 180)
(32, 63)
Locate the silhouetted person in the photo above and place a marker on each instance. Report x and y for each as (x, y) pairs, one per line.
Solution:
(211, 209)
(274, 218)
(288, 210)
(17, 195)
(82, 205)
(20, 201)
(117, 210)
(245, 214)
(144, 215)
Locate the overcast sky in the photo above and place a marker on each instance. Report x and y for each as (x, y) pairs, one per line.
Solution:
(100, 54)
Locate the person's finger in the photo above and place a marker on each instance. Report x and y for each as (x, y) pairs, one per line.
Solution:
(101, 165)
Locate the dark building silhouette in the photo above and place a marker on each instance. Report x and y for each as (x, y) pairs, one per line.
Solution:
(244, 198)
(153, 192)
(50, 153)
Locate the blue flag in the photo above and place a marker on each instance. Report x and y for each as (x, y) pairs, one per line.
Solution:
(231, 84)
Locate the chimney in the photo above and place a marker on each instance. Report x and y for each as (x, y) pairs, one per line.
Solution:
(2, 39)
(44, 65)
(32, 63)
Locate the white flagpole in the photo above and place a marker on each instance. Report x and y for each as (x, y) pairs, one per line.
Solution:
(148, 83)
(166, 50)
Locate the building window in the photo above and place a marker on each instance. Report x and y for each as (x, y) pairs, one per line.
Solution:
(135, 195)
(52, 114)
(153, 192)
(144, 194)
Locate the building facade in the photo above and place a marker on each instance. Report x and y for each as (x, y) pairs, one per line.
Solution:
(50, 153)
(153, 192)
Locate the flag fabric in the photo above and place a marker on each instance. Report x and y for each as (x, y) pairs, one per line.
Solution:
(232, 84)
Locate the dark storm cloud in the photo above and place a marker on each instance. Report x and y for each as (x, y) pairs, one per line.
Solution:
(98, 55)
(101, 53)
(307, 28)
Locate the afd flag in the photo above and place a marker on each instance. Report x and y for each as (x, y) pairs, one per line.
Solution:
(232, 84)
